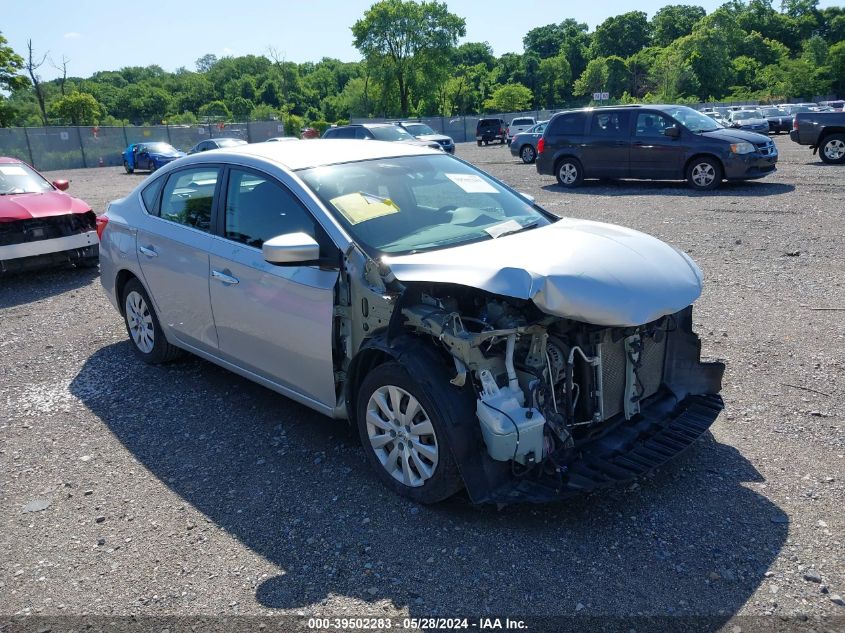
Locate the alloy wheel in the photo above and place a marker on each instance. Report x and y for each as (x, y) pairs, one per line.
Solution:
(140, 322)
(401, 435)
(527, 154)
(835, 149)
(703, 174)
(568, 173)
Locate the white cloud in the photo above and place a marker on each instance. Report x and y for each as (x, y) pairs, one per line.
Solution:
(72, 35)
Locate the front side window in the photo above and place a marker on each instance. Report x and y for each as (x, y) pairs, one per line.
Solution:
(415, 203)
(652, 124)
(419, 129)
(609, 123)
(188, 196)
(259, 208)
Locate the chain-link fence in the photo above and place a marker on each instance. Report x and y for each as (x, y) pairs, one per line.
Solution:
(54, 147)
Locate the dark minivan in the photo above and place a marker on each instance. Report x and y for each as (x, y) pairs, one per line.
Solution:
(659, 142)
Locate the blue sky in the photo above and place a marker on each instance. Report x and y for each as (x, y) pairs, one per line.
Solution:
(110, 35)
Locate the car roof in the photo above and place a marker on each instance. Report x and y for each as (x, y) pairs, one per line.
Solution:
(314, 153)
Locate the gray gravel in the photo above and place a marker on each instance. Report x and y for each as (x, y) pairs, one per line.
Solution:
(184, 489)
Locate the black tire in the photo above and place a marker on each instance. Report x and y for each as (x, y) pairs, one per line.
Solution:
(832, 149)
(502, 141)
(486, 142)
(569, 172)
(88, 262)
(161, 351)
(128, 169)
(479, 143)
(704, 173)
(152, 166)
(528, 154)
(445, 480)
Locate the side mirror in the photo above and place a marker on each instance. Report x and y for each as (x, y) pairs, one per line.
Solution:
(528, 197)
(672, 132)
(291, 248)
(61, 185)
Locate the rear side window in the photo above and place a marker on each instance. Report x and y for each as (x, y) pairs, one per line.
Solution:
(150, 196)
(568, 124)
(607, 123)
(188, 195)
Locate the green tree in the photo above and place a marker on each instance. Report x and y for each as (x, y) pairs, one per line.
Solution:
(674, 21)
(215, 110)
(78, 108)
(836, 62)
(509, 98)
(206, 63)
(593, 79)
(544, 41)
(621, 35)
(555, 78)
(11, 67)
(400, 35)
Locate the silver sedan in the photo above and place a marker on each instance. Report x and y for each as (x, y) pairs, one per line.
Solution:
(473, 339)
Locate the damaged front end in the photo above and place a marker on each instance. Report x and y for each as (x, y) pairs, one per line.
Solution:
(560, 406)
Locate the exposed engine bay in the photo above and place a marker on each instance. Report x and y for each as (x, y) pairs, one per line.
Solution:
(544, 384)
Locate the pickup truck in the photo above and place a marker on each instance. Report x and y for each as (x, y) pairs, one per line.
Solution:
(824, 132)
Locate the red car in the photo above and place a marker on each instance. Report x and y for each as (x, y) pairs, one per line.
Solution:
(39, 225)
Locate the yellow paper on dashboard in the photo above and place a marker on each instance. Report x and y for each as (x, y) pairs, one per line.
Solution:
(359, 207)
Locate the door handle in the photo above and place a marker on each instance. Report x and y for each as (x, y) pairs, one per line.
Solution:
(149, 252)
(638, 143)
(223, 277)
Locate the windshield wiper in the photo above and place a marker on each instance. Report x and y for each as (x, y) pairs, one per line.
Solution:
(533, 225)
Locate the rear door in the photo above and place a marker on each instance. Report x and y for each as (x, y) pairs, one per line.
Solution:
(173, 242)
(274, 321)
(607, 150)
(653, 154)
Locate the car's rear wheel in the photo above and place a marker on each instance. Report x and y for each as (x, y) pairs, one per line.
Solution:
(126, 166)
(528, 154)
(486, 142)
(704, 174)
(479, 143)
(142, 324)
(152, 166)
(832, 149)
(569, 172)
(404, 435)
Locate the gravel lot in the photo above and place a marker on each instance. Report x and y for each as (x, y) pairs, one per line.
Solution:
(186, 490)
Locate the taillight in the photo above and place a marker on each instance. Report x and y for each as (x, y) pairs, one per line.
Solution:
(540, 145)
(795, 124)
(102, 220)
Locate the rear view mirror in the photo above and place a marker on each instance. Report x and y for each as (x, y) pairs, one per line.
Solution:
(291, 248)
(672, 132)
(61, 185)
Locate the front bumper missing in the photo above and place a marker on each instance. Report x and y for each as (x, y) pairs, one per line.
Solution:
(631, 449)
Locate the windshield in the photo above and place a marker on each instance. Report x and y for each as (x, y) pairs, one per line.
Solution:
(157, 148)
(230, 142)
(745, 115)
(21, 178)
(410, 204)
(693, 120)
(391, 133)
(522, 122)
(419, 129)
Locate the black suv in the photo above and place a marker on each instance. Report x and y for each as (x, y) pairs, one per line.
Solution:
(660, 142)
(487, 130)
(378, 132)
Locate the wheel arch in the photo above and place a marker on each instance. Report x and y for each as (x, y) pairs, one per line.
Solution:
(123, 277)
(703, 155)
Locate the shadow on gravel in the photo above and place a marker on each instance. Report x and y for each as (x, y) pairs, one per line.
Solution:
(672, 188)
(26, 287)
(293, 486)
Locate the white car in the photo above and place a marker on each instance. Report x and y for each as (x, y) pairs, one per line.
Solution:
(474, 339)
(519, 124)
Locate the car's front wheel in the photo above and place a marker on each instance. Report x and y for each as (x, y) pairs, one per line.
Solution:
(527, 154)
(569, 172)
(142, 324)
(126, 166)
(704, 174)
(404, 436)
(832, 149)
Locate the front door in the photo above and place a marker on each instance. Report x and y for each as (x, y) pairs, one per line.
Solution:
(653, 154)
(275, 321)
(606, 152)
(173, 241)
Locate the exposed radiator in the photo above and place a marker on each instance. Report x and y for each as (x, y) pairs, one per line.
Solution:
(613, 368)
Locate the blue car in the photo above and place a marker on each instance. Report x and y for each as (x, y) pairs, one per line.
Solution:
(149, 156)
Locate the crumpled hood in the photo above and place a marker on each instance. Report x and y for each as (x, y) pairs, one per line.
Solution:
(587, 271)
(25, 206)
